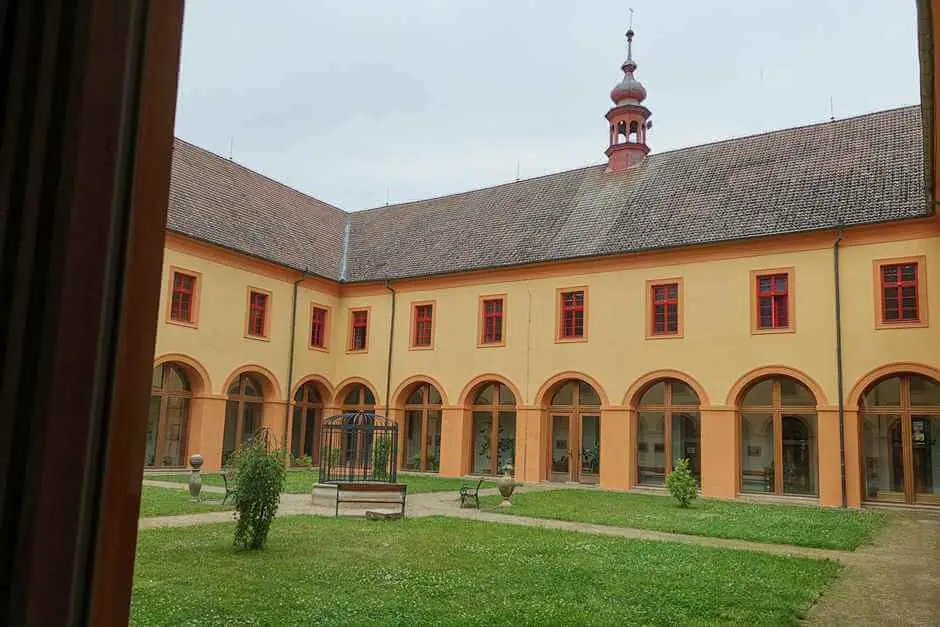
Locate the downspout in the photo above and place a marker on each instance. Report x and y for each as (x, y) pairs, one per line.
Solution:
(839, 374)
(391, 338)
(290, 365)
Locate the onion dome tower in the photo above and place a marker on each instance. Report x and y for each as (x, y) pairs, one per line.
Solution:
(628, 118)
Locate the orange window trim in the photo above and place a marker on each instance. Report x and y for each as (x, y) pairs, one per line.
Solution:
(573, 309)
(359, 318)
(193, 321)
(325, 329)
(254, 308)
(754, 312)
(423, 325)
(920, 262)
(651, 303)
(499, 320)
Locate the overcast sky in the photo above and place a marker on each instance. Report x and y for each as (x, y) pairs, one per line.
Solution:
(345, 99)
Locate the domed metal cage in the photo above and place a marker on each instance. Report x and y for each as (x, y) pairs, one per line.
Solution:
(358, 447)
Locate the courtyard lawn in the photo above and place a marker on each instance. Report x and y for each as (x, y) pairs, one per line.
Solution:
(301, 481)
(447, 571)
(167, 502)
(777, 524)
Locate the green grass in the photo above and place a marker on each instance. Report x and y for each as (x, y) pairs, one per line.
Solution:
(167, 502)
(777, 524)
(301, 481)
(447, 571)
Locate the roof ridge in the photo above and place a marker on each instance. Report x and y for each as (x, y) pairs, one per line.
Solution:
(651, 156)
(256, 173)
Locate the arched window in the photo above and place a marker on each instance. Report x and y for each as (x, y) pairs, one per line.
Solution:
(358, 397)
(244, 410)
(305, 428)
(574, 448)
(422, 432)
(778, 437)
(667, 430)
(493, 406)
(900, 447)
(168, 419)
(634, 135)
(621, 132)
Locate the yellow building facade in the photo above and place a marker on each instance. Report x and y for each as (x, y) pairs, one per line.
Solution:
(759, 307)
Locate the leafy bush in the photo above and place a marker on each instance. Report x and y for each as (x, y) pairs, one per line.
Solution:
(260, 477)
(380, 458)
(681, 483)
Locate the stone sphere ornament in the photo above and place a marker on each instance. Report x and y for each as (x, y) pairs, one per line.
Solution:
(506, 485)
(195, 477)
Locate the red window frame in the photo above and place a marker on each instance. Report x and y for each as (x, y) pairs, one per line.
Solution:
(665, 305)
(773, 301)
(423, 325)
(900, 292)
(257, 314)
(318, 327)
(183, 297)
(492, 321)
(360, 330)
(572, 315)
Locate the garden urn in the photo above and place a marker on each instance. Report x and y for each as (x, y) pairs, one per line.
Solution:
(506, 485)
(195, 478)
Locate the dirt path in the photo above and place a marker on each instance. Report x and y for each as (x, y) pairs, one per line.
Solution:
(896, 581)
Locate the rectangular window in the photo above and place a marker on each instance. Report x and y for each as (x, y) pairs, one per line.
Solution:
(359, 330)
(899, 293)
(572, 315)
(257, 314)
(665, 314)
(492, 321)
(182, 306)
(423, 325)
(318, 327)
(773, 301)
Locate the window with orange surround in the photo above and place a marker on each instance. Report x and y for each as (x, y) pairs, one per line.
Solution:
(572, 314)
(319, 318)
(899, 293)
(492, 319)
(773, 300)
(358, 330)
(258, 314)
(422, 325)
(183, 297)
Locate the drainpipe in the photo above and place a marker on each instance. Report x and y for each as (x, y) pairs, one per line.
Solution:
(290, 364)
(839, 374)
(391, 338)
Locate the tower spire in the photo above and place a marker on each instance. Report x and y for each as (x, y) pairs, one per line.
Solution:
(629, 119)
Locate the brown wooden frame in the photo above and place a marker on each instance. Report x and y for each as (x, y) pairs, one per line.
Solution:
(268, 310)
(327, 327)
(776, 409)
(667, 409)
(412, 329)
(575, 414)
(305, 405)
(197, 296)
(494, 410)
(243, 399)
(905, 413)
(349, 329)
(481, 321)
(423, 408)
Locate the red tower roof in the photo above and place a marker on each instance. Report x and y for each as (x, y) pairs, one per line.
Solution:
(629, 90)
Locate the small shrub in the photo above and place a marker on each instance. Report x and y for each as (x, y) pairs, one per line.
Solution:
(681, 483)
(260, 478)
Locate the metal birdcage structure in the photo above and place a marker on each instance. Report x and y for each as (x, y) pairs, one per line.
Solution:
(359, 447)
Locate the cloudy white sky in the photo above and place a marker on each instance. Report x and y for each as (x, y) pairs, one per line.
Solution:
(350, 100)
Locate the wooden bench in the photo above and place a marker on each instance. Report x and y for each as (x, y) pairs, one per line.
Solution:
(228, 477)
(468, 492)
(384, 493)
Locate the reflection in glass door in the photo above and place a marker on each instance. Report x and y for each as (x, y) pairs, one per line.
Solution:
(590, 446)
(561, 447)
(924, 452)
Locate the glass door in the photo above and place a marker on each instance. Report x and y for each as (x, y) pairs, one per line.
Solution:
(925, 451)
(561, 446)
(590, 447)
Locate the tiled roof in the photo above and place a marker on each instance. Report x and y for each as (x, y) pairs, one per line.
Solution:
(860, 170)
(218, 201)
